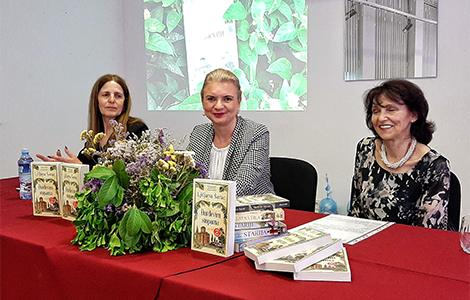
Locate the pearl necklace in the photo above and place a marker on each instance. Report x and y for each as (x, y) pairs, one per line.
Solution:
(402, 161)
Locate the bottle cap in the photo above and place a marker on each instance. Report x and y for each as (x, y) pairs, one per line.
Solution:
(24, 150)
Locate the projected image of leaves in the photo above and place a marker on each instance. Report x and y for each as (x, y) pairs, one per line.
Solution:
(272, 51)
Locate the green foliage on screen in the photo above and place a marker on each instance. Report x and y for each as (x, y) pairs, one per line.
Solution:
(272, 49)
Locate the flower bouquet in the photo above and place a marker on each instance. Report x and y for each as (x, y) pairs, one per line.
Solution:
(138, 197)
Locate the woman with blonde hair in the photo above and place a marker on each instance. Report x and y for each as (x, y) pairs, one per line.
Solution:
(231, 147)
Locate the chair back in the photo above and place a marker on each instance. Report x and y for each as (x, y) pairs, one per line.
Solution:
(453, 207)
(295, 180)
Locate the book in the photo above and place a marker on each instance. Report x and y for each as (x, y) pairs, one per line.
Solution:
(295, 262)
(241, 244)
(213, 211)
(257, 232)
(349, 229)
(261, 202)
(291, 242)
(252, 225)
(45, 178)
(260, 216)
(72, 177)
(333, 268)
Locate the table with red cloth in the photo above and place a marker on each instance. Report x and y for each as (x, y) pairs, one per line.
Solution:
(39, 262)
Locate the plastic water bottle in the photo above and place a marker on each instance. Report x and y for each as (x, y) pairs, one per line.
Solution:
(24, 172)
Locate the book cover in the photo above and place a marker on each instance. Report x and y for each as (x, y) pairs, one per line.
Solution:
(253, 225)
(295, 262)
(261, 202)
(45, 178)
(241, 244)
(333, 268)
(213, 223)
(260, 216)
(72, 176)
(258, 232)
(291, 242)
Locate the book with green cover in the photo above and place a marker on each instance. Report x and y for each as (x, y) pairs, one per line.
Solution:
(213, 223)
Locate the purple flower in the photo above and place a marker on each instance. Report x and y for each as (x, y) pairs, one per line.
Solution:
(95, 184)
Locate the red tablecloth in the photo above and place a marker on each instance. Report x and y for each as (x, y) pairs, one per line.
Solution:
(39, 262)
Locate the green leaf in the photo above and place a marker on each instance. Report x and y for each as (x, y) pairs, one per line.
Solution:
(146, 223)
(172, 20)
(120, 169)
(269, 4)
(159, 43)
(108, 191)
(167, 3)
(119, 196)
(302, 36)
(193, 102)
(285, 33)
(100, 172)
(181, 95)
(236, 11)
(242, 30)
(172, 84)
(258, 8)
(114, 241)
(297, 46)
(302, 56)
(253, 40)
(299, 6)
(285, 10)
(154, 25)
(134, 221)
(281, 67)
(299, 84)
(261, 46)
(246, 54)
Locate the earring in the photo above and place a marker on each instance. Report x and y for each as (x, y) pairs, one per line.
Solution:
(238, 114)
(204, 114)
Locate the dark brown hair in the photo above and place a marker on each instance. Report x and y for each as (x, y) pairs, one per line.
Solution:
(403, 92)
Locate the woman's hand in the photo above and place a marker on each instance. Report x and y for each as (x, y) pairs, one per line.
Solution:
(72, 159)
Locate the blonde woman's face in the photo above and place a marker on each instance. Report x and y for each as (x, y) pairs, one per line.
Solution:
(221, 102)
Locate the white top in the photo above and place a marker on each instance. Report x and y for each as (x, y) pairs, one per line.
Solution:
(217, 162)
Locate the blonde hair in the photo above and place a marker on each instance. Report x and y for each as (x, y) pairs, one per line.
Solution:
(222, 75)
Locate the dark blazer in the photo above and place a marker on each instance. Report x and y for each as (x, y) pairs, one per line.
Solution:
(247, 160)
(137, 128)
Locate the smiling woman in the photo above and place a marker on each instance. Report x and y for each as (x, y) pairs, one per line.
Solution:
(231, 147)
(397, 176)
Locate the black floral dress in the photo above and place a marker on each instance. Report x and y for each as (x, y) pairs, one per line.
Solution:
(418, 197)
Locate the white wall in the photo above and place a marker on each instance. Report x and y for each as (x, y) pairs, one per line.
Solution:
(53, 51)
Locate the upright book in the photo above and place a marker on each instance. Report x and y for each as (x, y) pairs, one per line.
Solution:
(297, 261)
(213, 224)
(261, 202)
(333, 268)
(45, 178)
(294, 241)
(72, 176)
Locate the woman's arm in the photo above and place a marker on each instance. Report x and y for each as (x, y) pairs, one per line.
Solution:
(253, 175)
(433, 206)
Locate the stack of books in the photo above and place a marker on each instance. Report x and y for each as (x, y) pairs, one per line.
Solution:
(304, 251)
(259, 218)
(54, 186)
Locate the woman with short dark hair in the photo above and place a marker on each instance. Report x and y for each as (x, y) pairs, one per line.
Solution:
(397, 176)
